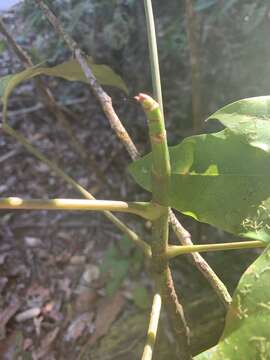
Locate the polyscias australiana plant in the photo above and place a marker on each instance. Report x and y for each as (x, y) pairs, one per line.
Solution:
(221, 179)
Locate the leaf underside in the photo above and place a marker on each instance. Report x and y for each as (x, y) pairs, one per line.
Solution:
(247, 332)
(69, 70)
(223, 179)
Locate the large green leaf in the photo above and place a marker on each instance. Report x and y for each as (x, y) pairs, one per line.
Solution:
(69, 70)
(223, 179)
(247, 330)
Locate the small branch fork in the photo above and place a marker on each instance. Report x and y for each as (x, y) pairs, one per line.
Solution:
(145, 210)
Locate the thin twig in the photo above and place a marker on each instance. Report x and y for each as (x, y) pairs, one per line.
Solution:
(152, 44)
(9, 155)
(152, 329)
(184, 238)
(102, 97)
(174, 250)
(192, 33)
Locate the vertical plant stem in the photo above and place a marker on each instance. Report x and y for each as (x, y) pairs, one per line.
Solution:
(153, 52)
(181, 233)
(192, 33)
(161, 171)
(153, 327)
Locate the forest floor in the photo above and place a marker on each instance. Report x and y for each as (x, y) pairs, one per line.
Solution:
(67, 279)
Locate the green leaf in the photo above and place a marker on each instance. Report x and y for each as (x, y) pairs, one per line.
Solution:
(223, 179)
(247, 332)
(141, 297)
(115, 268)
(69, 70)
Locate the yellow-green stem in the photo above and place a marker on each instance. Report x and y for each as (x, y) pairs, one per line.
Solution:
(174, 250)
(152, 329)
(153, 52)
(145, 210)
(160, 174)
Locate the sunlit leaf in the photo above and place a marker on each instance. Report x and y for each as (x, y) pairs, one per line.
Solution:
(223, 179)
(247, 332)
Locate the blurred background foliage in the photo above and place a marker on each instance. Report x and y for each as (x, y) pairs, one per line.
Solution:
(233, 39)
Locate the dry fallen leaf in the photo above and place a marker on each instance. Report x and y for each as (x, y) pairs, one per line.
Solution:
(77, 326)
(85, 300)
(107, 312)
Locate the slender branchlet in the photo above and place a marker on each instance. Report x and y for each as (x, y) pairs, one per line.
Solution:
(153, 327)
(102, 97)
(218, 286)
(153, 52)
(146, 210)
(174, 250)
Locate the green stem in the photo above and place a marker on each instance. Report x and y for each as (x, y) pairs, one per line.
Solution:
(152, 329)
(152, 44)
(200, 263)
(161, 168)
(161, 171)
(145, 210)
(174, 250)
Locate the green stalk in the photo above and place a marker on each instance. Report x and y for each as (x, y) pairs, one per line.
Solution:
(173, 250)
(145, 210)
(203, 267)
(153, 327)
(161, 168)
(161, 171)
(153, 52)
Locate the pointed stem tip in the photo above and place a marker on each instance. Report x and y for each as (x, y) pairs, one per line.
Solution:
(147, 102)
